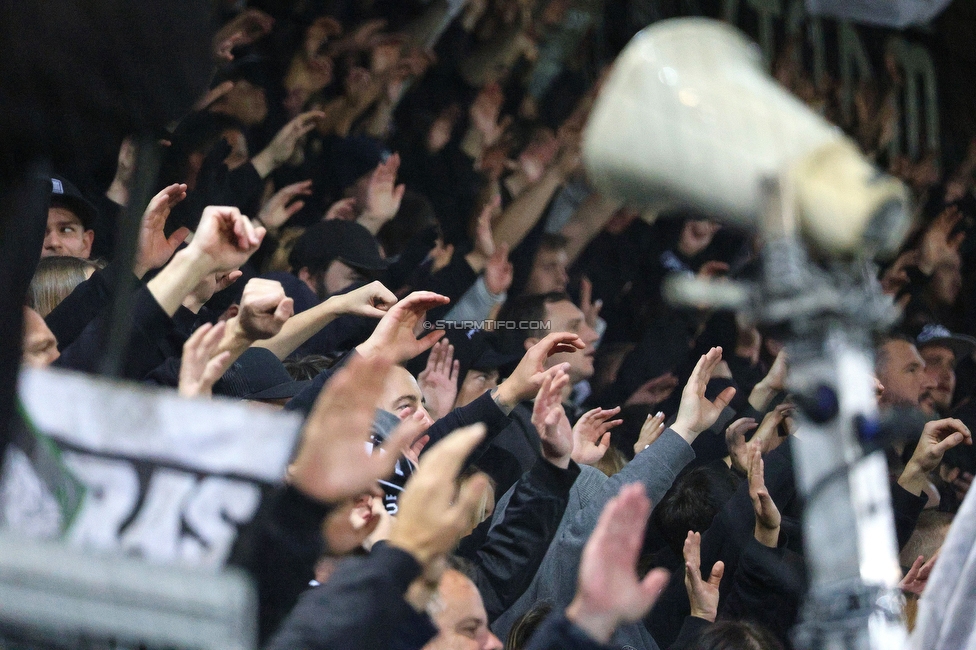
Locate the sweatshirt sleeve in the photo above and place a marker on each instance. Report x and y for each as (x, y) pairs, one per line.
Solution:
(147, 348)
(361, 606)
(508, 560)
(484, 409)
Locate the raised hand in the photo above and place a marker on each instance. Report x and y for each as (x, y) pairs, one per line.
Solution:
(282, 146)
(333, 461)
(200, 367)
(937, 437)
(695, 413)
(344, 209)
(526, 380)
(703, 594)
(207, 287)
(771, 384)
(609, 591)
(591, 435)
(499, 272)
(735, 440)
(318, 34)
(654, 391)
(383, 195)
(550, 420)
(415, 429)
(225, 238)
(362, 36)
(768, 518)
(243, 29)
(351, 524)
(651, 430)
(283, 205)
(372, 300)
(433, 512)
(696, 235)
(961, 483)
(939, 242)
(767, 435)
(918, 576)
(155, 248)
(394, 336)
(589, 307)
(570, 156)
(264, 309)
(438, 381)
(485, 111)
(484, 241)
(712, 269)
(213, 95)
(895, 278)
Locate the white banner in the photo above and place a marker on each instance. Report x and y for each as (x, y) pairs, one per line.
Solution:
(120, 467)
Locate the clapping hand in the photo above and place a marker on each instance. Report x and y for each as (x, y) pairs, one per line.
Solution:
(550, 420)
(283, 205)
(703, 594)
(695, 412)
(651, 430)
(438, 381)
(201, 366)
(768, 518)
(394, 336)
(155, 248)
(591, 435)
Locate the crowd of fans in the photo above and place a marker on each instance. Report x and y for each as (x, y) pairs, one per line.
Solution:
(511, 440)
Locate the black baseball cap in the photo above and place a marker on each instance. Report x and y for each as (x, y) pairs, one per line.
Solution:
(935, 334)
(336, 239)
(475, 350)
(258, 374)
(65, 194)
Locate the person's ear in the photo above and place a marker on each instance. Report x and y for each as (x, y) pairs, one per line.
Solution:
(88, 237)
(529, 342)
(306, 276)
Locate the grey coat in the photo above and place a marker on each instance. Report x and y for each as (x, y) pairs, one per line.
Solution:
(656, 468)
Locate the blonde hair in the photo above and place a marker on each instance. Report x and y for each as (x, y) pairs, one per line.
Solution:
(55, 278)
(612, 462)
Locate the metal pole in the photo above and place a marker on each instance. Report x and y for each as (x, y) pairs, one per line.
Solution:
(848, 526)
(116, 340)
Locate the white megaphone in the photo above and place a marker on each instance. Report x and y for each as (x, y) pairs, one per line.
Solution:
(690, 117)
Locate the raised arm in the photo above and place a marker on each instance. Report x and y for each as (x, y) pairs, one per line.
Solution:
(610, 593)
(372, 300)
(588, 220)
(224, 240)
(525, 211)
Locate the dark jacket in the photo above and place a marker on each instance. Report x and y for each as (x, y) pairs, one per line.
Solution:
(507, 561)
(279, 549)
(150, 340)
(361, 606)
(732, 531)
(558, 633)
